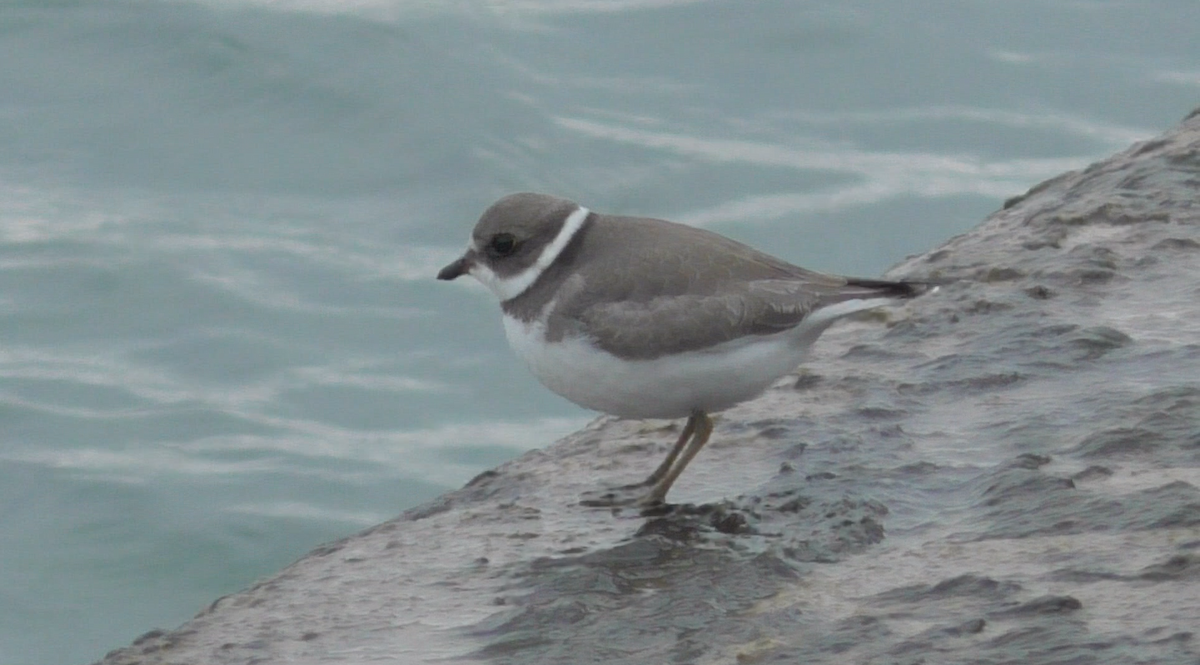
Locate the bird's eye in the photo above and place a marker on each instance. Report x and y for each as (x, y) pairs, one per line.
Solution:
(503, 244)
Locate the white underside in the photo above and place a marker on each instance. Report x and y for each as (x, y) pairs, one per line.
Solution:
(672, 386)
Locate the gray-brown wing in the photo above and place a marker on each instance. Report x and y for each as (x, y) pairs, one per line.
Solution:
(683, 289)
(674, 324)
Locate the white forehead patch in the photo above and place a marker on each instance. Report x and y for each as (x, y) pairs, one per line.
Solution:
(507, 288)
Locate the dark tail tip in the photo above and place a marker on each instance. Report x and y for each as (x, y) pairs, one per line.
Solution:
(901, 289)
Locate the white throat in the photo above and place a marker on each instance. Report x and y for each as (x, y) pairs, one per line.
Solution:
(507, 288)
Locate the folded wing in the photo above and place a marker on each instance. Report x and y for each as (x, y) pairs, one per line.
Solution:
(679, 323)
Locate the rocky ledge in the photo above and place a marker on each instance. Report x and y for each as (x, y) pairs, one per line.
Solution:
(1005, 471)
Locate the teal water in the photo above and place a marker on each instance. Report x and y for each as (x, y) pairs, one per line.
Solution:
(221, 343)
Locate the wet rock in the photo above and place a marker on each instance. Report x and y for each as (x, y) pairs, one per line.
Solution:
(806, 381)
(1178, 567)
(1092, 473)
(1039, 292)
(1097, 341)
(1182, 244)
(1020, 486)
(1000, 274)
(1121, 441)
(969, 585)
(972, 627)
(1045, 605)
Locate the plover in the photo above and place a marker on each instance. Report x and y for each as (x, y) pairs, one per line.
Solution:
(645, 318)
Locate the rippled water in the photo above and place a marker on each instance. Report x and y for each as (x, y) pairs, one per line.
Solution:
(220, 340)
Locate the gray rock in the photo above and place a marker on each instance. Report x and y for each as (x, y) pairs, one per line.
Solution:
(1005, 471)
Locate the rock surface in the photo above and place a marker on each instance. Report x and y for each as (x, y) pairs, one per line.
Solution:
(1006, 471)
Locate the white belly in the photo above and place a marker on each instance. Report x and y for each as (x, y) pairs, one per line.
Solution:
(672, 387)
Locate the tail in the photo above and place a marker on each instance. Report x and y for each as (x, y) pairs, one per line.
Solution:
(901, 290)
(859, 295)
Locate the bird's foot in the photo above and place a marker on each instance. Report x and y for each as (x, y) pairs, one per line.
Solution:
(637, 495)
(616, 497)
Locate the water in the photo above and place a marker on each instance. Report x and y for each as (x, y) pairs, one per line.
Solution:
(220, 339)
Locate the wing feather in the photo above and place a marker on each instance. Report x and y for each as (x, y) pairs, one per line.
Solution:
(676, 294)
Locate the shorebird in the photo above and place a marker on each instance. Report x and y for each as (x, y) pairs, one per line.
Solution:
(645, 318)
